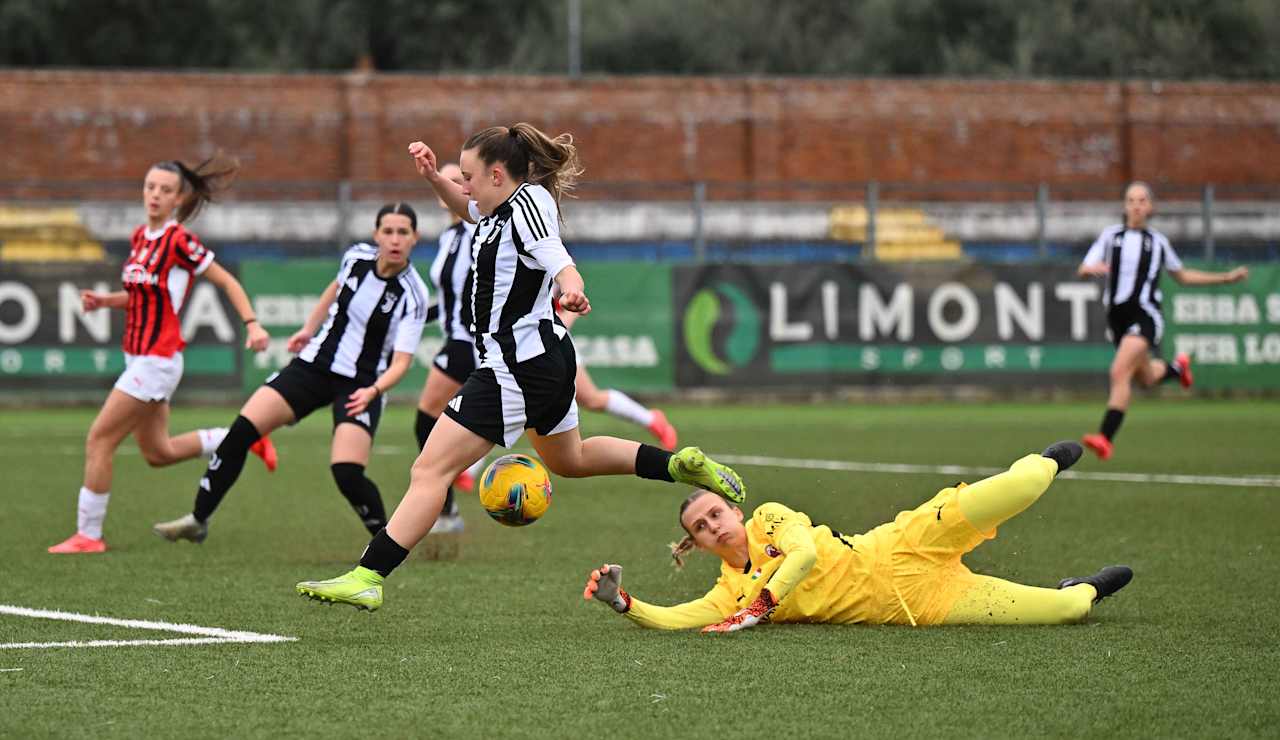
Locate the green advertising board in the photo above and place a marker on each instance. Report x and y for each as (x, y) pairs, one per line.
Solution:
(1231, 332)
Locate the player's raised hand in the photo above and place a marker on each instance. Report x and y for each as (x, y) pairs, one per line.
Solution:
(605, 584)
(424, 159)
(757, 612)
(298, 340)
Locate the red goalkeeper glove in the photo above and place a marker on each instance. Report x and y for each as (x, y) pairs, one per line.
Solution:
(758, 612)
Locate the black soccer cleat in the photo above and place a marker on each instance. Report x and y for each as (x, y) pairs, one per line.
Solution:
(1106, 581)
(1065, 453)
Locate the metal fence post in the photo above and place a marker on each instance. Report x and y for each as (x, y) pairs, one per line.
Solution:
(340, 232)
(873, 204)
(575, 38)
(1042, 215)
(699, 236)
(1206, 214)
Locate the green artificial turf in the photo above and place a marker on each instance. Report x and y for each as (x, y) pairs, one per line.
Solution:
(498, 641)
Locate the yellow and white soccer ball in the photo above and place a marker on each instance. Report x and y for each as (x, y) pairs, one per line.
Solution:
(515, 490)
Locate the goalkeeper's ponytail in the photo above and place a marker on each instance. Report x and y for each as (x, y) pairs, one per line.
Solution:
(685, 545)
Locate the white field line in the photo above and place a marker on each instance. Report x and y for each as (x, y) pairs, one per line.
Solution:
(1251, 481)
(209, 635)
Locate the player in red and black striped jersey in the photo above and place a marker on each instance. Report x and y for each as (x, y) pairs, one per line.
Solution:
(164, 261)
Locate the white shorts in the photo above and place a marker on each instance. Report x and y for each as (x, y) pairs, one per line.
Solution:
(150, 378)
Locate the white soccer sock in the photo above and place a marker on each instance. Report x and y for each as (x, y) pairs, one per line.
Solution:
(210, 439)
(91, 513)
(476, 468)
(625, 407)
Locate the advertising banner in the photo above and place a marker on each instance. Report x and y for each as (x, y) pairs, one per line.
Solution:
(47, 343)
(810, 326)
(1231, 332)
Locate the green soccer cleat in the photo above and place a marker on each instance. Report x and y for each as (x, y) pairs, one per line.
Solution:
(361, 588)
(691, 465)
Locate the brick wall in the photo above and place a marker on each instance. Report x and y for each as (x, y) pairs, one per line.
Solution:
(98, 128)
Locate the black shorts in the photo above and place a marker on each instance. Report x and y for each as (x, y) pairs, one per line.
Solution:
(1131, 318)
(457, 359)
(306, 388)
(499, 404)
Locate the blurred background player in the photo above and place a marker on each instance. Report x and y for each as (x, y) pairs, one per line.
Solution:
(1131, 256)
(164, 260)
(909, 571)
(375, 312)
(615, 402)
(513, 181)
(452, 278)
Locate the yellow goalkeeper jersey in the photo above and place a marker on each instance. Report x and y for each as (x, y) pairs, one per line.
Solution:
(820, 575)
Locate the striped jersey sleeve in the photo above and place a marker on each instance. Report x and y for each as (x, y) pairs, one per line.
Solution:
(1097, 253)
(190, 253)
(1172, 262)
(536, 221)
(354, 254)
(414, 311)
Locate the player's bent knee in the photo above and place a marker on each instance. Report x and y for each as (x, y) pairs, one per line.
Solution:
(566, 469)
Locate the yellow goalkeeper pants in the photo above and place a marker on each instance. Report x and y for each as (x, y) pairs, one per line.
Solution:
(987, 504)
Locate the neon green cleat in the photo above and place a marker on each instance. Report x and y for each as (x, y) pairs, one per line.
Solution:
(691, 465)
(361, 588)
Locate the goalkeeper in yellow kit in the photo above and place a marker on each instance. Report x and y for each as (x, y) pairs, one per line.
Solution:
(780, 567)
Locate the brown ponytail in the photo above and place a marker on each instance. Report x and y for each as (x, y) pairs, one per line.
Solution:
(202, 183)
(685, 545)
(530, 156)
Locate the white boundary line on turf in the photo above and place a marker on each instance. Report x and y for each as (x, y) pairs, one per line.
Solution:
(210, 635)
(1260, 481)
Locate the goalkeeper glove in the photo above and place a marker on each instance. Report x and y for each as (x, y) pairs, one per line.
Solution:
(757, 612)
(605, 584)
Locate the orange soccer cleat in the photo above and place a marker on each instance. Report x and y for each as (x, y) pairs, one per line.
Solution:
(77, 543)
(465, 480)
(1099, 444)
(266, 450)
(663, 430)
(1183, 363)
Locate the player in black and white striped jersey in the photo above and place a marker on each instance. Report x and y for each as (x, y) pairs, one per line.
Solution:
(513, 179)
(1131, 257)
(452, 279)
(372, 315)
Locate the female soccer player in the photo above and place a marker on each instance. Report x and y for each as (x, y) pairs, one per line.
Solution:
(164, 260)
(615, 402)
(1131, 256)
(451, 276)
(375, 311)
(513, 179)
(909, 571)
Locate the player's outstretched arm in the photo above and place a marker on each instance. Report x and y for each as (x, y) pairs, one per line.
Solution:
(448, 190)
(605, 584)
(1201, 277)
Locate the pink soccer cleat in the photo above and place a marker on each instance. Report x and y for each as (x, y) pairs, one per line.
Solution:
(663, 430)
(465, 481)
(1183, 363)
(79, 543)
(1100, 445)
(265, 449)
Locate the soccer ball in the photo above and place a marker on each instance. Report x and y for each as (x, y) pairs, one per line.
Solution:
(515, 490)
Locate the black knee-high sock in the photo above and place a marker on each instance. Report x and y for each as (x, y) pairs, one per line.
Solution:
(652, 463)
(383, 554)
(361, 493)
(422, 427)
(1111, 423)
(1171, 370)
(224, 467)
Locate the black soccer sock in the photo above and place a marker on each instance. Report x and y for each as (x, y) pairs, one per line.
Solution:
(1111, 423)
(361, 493)
(422, 427)
(1171, 370)
(652, 463)
(383, 554)
(224, 467)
